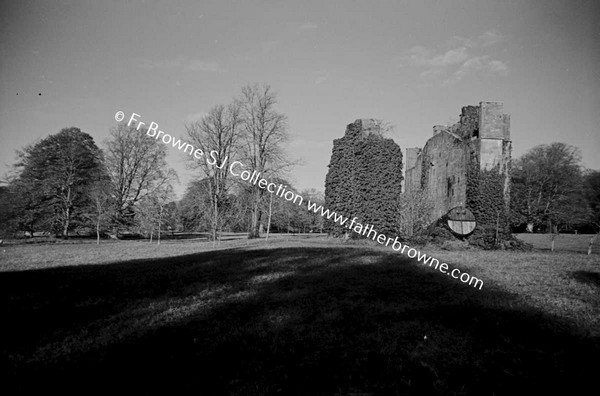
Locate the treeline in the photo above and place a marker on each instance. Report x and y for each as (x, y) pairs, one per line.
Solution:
(66, 184)
(552, 192)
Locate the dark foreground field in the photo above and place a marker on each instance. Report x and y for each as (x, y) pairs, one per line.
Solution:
(295, 318)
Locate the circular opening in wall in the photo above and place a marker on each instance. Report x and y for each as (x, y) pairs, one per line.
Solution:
(461, 221)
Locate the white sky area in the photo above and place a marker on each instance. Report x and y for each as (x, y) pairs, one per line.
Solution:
(411, 63)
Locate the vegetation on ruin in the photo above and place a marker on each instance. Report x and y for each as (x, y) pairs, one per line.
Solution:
(485, 199)
(364, 180)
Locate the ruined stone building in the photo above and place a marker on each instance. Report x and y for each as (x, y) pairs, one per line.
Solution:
(364, 177)
(466, 164)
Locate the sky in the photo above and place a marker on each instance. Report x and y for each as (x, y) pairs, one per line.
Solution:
(413, 64)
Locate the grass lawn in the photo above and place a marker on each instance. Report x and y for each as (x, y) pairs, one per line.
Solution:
(298, 317)
(563, 242)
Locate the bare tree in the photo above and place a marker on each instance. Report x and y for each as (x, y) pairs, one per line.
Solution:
(217, 135)
(163, 198)
(147, 216)
(100, 203)
(137, 168)
(265, 133)
(593, 238)
(547, 188)
(414, 212)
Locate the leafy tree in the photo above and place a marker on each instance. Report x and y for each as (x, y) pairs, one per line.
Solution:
(592, 193)
(55, 179)
(28, 210)
(7, 205)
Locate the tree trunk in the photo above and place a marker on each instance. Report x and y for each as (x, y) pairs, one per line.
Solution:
(497, 227)
(115, 232)
(98, 231)
(215, 223)
(66, 225)
(592, 240)
(160, 222)
(67, 215)
(269, 221)
(255, 224)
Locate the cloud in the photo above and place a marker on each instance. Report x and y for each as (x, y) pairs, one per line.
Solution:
(484, 63)
(307, 26)
(422, 56)
(490, 38)
(182, 63)
(498, 66)
(460, 57)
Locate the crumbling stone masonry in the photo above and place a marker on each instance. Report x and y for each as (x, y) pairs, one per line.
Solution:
(467, 164)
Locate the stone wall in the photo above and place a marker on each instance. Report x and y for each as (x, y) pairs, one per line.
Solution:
(443, 172)
(448, 167)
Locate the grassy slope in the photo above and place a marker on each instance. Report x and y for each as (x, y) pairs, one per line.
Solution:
(295, 318)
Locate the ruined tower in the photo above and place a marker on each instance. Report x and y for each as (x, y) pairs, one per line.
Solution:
(466, 164)
(364, 177)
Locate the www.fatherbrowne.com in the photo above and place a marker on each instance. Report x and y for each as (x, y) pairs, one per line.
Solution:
(368, 231)
(255, 178)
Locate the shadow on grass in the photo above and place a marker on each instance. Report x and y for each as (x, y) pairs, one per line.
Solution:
(280, 321)
(592, 278)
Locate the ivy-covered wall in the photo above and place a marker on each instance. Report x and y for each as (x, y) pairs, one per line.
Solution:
(468, 164)
(364, 178)
(486, 199)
